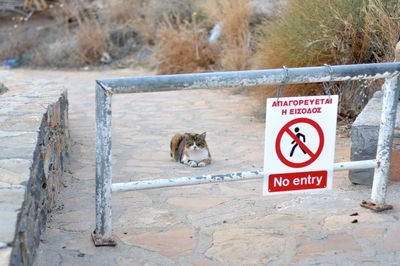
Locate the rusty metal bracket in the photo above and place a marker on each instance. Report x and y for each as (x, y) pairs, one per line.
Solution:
(375, 207)
(98, 242)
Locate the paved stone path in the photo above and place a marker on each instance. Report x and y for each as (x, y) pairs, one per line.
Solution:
(213, 224)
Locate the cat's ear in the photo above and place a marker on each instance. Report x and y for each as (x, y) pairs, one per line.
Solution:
(187, 135)
(203, 135)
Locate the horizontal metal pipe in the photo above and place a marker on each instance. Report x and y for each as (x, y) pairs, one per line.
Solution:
(249, 78)
(186, 181)
(356, 165)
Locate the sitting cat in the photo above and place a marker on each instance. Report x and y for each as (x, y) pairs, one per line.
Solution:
(190, 149)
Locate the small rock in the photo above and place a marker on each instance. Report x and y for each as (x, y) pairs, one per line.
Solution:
(143, 56)
(106, 58)
(3, 88)
(344, 131)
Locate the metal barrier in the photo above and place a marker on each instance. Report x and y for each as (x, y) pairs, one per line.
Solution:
(105, 88)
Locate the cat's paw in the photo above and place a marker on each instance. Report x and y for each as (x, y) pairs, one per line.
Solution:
(201, 164)
(192, 164)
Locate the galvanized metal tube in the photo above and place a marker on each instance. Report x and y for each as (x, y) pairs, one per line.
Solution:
(186, 181)
(385, 140)
(355, 165)
(103, 164)
(249, 78)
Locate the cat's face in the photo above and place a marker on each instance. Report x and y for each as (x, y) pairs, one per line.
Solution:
(195, 141)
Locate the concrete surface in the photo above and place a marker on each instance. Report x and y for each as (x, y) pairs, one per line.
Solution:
(364, 141)
(213, 224)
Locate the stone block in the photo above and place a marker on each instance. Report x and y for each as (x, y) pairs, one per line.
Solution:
(364, 140)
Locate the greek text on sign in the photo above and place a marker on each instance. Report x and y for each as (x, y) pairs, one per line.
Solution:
(299, 144)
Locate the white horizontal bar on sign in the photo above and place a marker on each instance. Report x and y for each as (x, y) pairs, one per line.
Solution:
(186, 181)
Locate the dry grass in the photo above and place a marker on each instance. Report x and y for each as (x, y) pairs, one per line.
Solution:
(133, 14)
(78, 37)
(17, 42)
(236, 56)
(383, 18)
(57, 54)
(235, 43)
(182, 48)
(310, 33)
(83, 31)
(305, 33)
(144, 16)
(91, 42)
(82, 24)
(234, 15)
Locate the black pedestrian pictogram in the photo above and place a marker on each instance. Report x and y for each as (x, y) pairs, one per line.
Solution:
(313, 154)
(299, 136)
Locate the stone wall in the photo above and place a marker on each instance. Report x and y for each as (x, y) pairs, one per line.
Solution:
(364, 141)
(34, 142)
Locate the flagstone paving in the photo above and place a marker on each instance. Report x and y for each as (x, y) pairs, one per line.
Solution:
(212, 224)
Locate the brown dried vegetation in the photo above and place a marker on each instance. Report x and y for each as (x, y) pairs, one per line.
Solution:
(183, 48)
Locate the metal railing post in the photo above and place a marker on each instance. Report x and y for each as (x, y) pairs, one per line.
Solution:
(102, 235)
(384, 150)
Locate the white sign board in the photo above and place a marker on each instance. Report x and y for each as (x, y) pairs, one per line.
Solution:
(300, 138)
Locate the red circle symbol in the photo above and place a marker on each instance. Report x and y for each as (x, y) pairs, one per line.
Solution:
(285, 129)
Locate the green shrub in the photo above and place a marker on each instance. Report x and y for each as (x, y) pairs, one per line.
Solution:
(315, 32)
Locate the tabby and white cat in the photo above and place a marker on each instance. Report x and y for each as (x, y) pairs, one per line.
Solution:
(190, 149)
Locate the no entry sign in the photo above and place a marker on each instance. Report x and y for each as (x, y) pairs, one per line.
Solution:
(299, 144)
